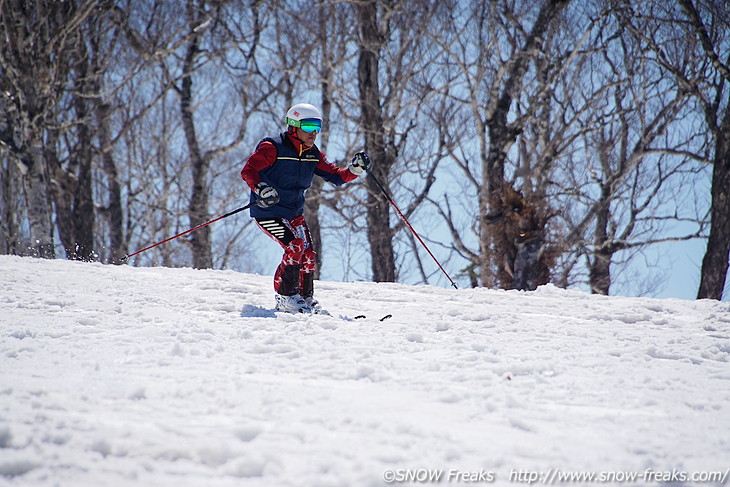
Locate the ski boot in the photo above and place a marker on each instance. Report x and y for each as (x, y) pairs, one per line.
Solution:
(315, 306)
(292, 304)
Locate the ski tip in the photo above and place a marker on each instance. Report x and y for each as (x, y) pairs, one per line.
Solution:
(362, 317)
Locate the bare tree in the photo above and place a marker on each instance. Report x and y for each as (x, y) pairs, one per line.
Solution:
(73, 141)
(717, 115)
(68, 49)
(597, 146)
(380, 234)
(197, 19)
(501, 90)
(503, 134)
(37, 38)
(396, 88)
(110, 201)
(688, 49)
(637, 153)
(196, 60)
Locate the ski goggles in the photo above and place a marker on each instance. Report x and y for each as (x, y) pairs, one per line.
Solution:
(309, 125)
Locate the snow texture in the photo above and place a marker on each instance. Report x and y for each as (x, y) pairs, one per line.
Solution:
(117, 376)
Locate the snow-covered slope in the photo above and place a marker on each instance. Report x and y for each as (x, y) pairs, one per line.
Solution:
(120, 376)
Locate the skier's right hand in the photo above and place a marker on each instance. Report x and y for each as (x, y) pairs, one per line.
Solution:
(268, 196)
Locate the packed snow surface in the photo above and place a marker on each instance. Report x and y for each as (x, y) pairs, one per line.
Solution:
(121, 376)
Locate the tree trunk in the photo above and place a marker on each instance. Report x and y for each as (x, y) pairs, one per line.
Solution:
(198, 209)
(9, 224)
(72, 186)
(599, 271)
(35, 185)
(502, 135)
(715, 261)
(113, 210)
(28, 73)
(380, 234)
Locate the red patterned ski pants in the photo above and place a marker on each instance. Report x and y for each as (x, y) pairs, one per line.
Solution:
(295, 272)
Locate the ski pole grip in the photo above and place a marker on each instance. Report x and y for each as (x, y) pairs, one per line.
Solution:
(268, 201)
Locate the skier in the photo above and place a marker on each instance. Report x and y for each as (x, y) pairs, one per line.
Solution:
(278, 173)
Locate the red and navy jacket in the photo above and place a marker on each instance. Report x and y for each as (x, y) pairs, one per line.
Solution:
(288, 166)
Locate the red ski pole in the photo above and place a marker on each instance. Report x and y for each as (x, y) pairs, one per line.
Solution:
(410, 227)
(268, 201)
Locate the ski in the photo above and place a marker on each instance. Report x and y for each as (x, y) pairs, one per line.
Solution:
(251, 311)
(362, 317)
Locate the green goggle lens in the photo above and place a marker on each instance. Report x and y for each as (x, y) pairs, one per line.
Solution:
(309, 125)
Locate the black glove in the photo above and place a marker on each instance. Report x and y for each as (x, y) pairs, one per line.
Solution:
(268, 196)
(361, 162)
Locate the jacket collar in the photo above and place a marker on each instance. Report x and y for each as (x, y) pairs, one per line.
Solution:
(298, 144)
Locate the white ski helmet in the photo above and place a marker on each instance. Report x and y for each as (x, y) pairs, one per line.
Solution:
(302, 111)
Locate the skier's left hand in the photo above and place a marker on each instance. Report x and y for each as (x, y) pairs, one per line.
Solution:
(361, 162)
